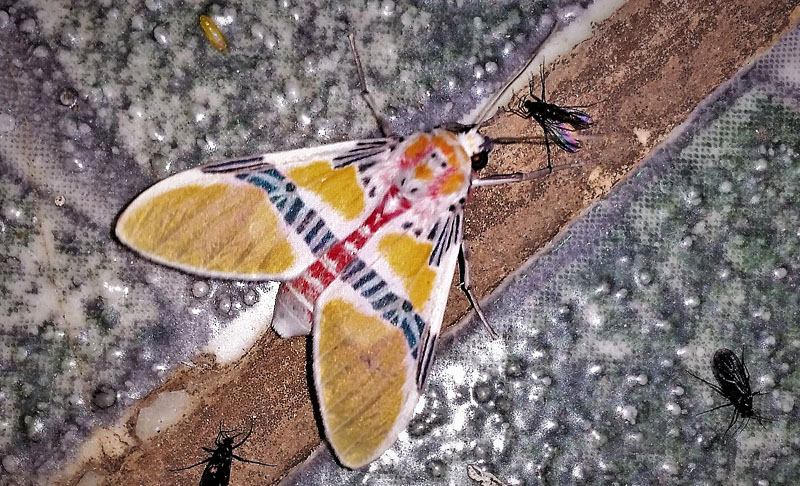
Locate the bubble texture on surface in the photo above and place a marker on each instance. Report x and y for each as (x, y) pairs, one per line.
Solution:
(697, 250)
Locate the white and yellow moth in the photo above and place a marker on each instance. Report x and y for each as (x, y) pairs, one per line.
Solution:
(364, 236)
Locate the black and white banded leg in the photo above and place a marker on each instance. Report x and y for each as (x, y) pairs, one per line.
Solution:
(463, 271)
(386, 130)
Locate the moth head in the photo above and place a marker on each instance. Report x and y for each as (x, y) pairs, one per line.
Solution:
(476, 145)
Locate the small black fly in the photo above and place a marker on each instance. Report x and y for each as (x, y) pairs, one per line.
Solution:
(734, 384)
(218, 466)
(557, 122)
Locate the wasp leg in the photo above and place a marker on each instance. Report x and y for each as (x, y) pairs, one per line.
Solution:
(734, 418)
(715, 408)
(239, 458)
(713, 386)
(193, 465)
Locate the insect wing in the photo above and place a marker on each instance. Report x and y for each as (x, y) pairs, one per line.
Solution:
(217, 472)
(374, 336)
(259, 218)
(572, 116)
(560, 122)
(731, 375)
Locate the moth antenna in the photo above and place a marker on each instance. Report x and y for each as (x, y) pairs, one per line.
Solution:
(386, 130)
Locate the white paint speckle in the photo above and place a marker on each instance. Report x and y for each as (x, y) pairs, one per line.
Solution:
(783, 401)
(161, 35)
(232, 341)
(673, 408)
(11, 464)
(28, 26)
(7, 123)
(137, 22)
(628, 413)
(691, 301)
(200, 289)
(166, 410)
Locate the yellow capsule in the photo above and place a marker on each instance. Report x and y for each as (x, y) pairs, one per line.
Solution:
(213, 34)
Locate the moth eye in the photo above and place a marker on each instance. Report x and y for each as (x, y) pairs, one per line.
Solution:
(479, 160)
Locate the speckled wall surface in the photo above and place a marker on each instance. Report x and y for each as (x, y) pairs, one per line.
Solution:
(698, 250)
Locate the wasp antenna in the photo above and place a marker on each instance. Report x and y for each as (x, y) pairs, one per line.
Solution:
(486, 112)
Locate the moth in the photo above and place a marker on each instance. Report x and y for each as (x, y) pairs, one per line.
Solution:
(218, 466)
(364, 235)
(734, 384)
(558, 122)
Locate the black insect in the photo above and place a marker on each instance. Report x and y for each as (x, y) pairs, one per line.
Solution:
(557, 122)
(734, 384)
(218, 466)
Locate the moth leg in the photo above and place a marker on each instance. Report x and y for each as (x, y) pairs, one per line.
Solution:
(463, 271)
(497, 179)
(386, 130)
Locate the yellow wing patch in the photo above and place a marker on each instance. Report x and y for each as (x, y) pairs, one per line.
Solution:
(337, 187)
(217, 227)
(409, 261)
(361, 377)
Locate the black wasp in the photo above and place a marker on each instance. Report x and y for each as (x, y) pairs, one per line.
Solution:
(734, 384)
(218, 466)
(557, 122)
